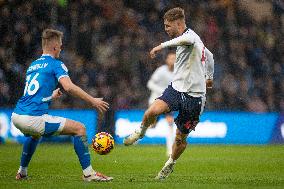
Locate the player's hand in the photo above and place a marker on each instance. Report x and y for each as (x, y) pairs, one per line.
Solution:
(100, 105)
(154, 51)
(56, 93)
(209, 83)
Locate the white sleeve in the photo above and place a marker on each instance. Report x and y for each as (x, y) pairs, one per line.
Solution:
(209, 64)
(185, 39)
(152, 83)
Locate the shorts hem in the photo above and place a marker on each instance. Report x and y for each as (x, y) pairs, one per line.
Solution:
(60, 128)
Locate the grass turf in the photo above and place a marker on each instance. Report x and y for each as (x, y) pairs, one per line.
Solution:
(56, 166)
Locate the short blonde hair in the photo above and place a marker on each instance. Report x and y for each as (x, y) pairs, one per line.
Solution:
(49, 35)
(174, 14)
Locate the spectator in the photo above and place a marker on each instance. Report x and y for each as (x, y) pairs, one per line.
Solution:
(108, 44)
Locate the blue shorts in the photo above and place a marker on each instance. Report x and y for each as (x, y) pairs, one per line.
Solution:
(189, 108)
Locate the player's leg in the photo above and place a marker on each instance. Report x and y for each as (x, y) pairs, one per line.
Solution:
(150, 116)
(157, 108)
(170, 134)
(178, 148)
(169, 101)
(179, 145)
(27, 125)
(186, 122)
(78, 131)
(169, 140)
(29, 148)
(188, 118)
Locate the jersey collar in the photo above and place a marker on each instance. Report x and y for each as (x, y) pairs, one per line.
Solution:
(47, 55)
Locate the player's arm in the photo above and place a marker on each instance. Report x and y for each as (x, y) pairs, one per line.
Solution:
(185, 39)
(152, 83)
(209, 67)
(76, 91)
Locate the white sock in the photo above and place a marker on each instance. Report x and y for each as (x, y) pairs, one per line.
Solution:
(89, 171)
(23, 170)
(141, 130)
(170, 160)
(169, 140)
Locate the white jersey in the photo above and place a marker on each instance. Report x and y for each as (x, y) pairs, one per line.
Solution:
(159, 81)
(189, 68)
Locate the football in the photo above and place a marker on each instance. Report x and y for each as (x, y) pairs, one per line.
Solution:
(102, 143)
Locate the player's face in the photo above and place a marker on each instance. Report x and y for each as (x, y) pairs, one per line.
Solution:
(171, 27)
(170, 61)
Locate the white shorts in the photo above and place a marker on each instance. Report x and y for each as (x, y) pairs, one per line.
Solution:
(45, 125)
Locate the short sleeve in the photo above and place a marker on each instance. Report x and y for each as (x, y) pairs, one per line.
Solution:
(60, 70)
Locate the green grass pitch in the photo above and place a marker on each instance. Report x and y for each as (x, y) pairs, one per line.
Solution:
(201, 166)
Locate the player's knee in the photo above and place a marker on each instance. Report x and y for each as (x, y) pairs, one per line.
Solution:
(81, 130)
(150, 117)
(180, 141)
(152, 112)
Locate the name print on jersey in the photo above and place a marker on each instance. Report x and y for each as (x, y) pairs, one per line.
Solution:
(37, 66)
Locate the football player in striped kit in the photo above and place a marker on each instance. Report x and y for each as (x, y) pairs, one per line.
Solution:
(186, 94)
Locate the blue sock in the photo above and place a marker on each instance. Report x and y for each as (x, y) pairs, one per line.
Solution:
(28, 151)
(82, 151)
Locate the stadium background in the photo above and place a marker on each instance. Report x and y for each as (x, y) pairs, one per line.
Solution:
(106, 46)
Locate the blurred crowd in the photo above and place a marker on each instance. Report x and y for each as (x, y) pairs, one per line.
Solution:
(107, 42)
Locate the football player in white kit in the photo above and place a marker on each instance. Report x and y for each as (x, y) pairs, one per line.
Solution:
(157, 83)
(186, 94)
